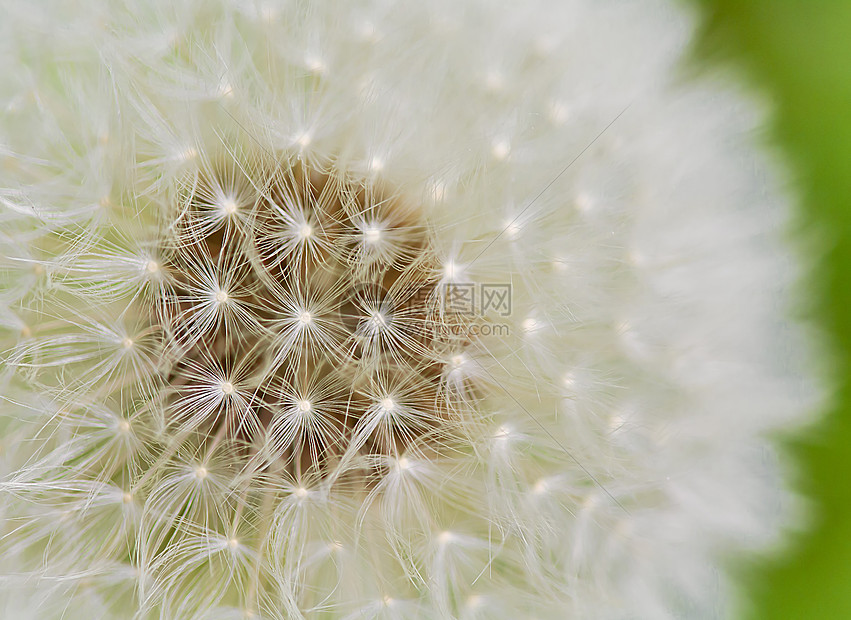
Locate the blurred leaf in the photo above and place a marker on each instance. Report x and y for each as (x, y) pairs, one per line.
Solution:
(799, 51)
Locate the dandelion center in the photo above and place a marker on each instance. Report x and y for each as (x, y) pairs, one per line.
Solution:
(372, 234)
(368, 260)
(229, 206)
(305, 231)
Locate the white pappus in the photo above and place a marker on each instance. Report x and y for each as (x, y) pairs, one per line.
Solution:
(385, 310)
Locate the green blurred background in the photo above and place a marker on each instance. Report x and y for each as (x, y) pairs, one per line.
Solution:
(799, 54)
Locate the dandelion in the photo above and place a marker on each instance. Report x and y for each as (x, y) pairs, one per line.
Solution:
(360, 310)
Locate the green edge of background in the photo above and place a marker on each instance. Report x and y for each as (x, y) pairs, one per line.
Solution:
(798, 52)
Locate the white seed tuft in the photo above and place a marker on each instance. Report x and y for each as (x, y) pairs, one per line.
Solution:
(308, 234)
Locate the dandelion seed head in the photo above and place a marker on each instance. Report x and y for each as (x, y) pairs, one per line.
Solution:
(511, 228)
(558, 112)
(264, 206)
(305, 231)
(452, 270)
(500, 149)
(372, 234)
(560, 265)
(616, 422)
(225, 90)
(531, 325)
(187, 154)
(318, 363)
(474, 601)
(541, 487)
(229, 206)
(495, 80)
(438, 191)
(315, 64)
(502, 433)
(584, 202)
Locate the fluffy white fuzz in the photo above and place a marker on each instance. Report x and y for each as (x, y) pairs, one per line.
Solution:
(199, 418)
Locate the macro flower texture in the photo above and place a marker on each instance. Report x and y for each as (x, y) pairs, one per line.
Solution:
(382, 309)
